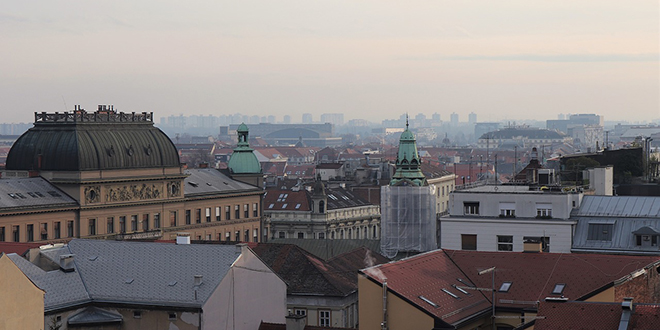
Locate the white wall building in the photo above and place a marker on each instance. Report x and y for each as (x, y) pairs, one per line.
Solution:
(501, 218)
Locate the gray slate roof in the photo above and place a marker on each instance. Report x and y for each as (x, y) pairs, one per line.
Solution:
(31, 193)
(205, 181)
(340, 198)
(132, 273)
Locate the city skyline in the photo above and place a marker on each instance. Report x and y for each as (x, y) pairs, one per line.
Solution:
(508, 60)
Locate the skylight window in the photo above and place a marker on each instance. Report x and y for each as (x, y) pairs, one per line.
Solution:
(284, 205)
(54, 193)
(38, 194)
(271, 206)
(460, 289)
(505, 287)
(449, 293)
(297, 206)
(559, 288)
(428, 301)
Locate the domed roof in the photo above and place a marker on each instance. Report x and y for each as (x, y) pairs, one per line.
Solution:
(81, 141)
(243, 160)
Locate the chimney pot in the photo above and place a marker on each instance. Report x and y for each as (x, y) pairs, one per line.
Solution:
(66, 263)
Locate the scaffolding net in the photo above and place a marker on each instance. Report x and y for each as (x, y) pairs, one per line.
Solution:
(408, 219)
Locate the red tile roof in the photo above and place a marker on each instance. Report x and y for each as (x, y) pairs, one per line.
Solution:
(281, 326)
(286, 200)
(594, 316)
(426, 275)
(534, 275)
(18, 248)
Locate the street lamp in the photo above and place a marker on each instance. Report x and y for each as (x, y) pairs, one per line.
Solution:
(492, 271)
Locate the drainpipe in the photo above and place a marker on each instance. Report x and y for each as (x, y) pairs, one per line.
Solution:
(383, 325)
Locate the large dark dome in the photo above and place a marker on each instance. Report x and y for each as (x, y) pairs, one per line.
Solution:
(102, 140)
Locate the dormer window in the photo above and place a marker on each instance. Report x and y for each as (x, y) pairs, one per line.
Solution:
(646, 236)
(471, 208)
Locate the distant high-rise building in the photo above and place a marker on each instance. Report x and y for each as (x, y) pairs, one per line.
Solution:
(287, 119)
(435, 117)
(271, 119)
(307, 118)
(333, 118)
(264, 119)
(420, 117)
(453, 118)
(254, 119)
(472, 118)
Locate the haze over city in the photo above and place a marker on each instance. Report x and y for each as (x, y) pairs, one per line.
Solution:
(369, 59)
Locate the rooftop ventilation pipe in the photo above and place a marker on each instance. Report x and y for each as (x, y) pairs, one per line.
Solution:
(66, 263)
(628, 309)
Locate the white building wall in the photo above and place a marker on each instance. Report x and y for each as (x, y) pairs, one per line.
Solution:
(487, 230)
(249, 293)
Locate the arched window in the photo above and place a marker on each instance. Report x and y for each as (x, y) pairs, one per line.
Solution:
(321, 206)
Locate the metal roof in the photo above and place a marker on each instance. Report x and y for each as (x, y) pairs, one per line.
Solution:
(619, 206)
(204, 181)
(92, 145)
(31, 192)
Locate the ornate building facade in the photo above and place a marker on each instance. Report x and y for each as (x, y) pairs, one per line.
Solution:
(110, 174)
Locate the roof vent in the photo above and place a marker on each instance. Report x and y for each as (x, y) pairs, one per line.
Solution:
(182, 238)
(198, 280)
(66, 263)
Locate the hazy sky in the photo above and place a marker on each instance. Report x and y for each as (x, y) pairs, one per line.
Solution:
(370, 59)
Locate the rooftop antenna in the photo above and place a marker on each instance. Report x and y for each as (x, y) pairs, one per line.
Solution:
(406, 120)
(63, 100)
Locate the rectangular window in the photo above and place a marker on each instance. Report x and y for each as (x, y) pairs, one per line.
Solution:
(238, 236)
(301, 312)
(227, 236)
(600, 232)
(156, 220)
(543, 210)
(255, 210)
(469, 242)
(110, 225)
(470, 208)
(92, 227)
(246, 211)
(217, 213)
(198, 216)
(246, 236)
(2, 234)
(122, 224)
(44, 231)
(172, 218)
(255, 235)
(30, 232)
(237, 212)
(281, 234)
(301, 235)
(227, 213)
(145, 222)
(188, 221)
(504, 243)
(324, 318)
(508, 210)
(16, 231)
(322, 235)
(134, 222)
(69, 229)
(57, 229)
(208, 214)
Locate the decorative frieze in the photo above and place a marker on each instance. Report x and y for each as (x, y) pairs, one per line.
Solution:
(133, 192)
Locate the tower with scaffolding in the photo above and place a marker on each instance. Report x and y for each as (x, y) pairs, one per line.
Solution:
(408, 216)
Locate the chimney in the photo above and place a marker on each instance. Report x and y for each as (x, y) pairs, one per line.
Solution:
(66, 263)
(198, 280)
(628, 309)
(182, 238)
(241, 247)
(295, 322)
(532, 246)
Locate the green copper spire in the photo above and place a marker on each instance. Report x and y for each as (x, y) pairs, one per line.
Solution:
(408, 163)
(243, 160)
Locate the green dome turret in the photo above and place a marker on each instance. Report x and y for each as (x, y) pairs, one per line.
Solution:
(408, 171)
(243, 160)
